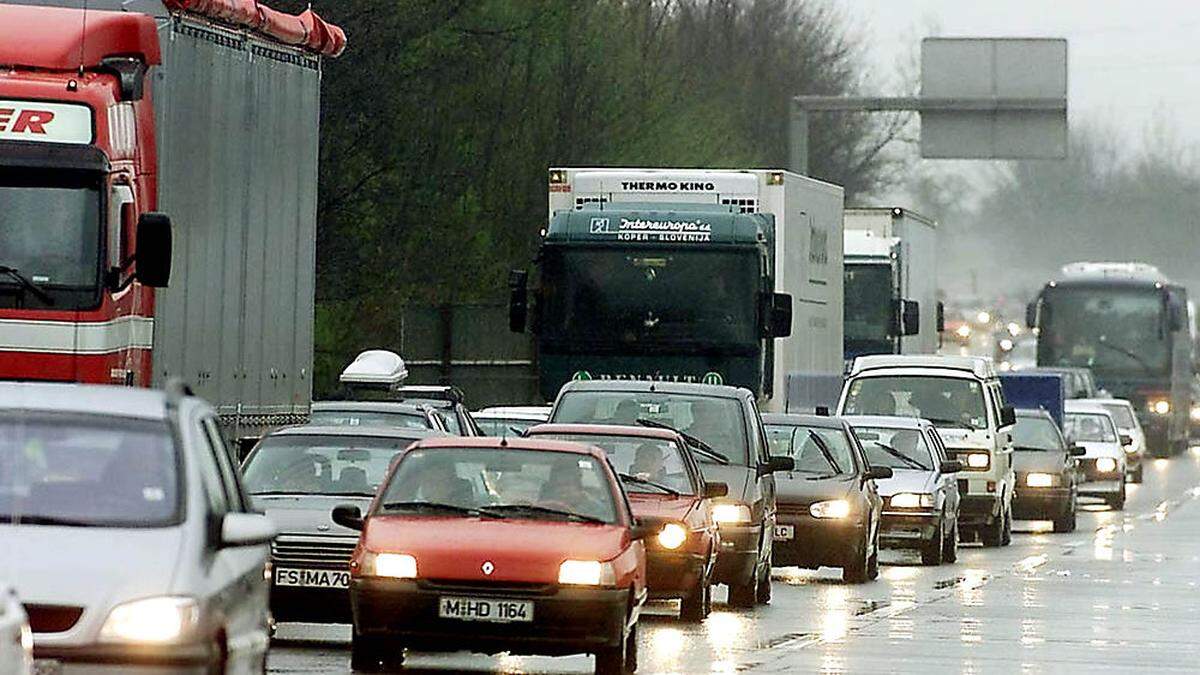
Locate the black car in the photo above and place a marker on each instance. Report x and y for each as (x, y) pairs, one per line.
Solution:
(828, 506)
(1047, 471)
(725, 430)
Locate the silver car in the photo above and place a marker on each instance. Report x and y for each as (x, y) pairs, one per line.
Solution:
(16, 639)
(297, 475)
(126, 531)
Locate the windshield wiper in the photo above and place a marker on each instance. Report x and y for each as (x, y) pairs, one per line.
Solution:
(1103, 342)
(704, 448)
(534, 508)
(824, 451)
(901, 456)
(28, 285)
(439, 506)
(47, 520)
(947, 422)
(629, 478)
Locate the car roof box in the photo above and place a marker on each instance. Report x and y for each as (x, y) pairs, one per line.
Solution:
(376, 368)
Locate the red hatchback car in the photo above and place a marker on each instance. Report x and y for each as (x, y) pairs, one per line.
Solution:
(498, 545)
(664, 483)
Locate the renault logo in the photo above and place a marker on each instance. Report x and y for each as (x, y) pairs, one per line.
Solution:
(488, 568)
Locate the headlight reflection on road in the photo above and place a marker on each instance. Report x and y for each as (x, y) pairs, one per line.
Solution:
(1032, 632)
(970, 591)
(667, 644)
(725, 630)
(834, 625)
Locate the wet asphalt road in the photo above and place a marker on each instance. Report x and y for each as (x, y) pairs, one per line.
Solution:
(1118, 595)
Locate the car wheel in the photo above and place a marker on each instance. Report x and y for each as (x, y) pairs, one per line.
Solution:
(1117, 501)
(1137, 475)
(631, 650)
(695, 606)
(950, 553)
(993, 533)
(855, 571)
(370, 654)
(873, 563)
(1065, 522)
(931, 551)
(763, 593)
(743, 595)
(1006, 536)
(612, 660)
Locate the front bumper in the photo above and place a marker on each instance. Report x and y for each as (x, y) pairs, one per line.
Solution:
(1102, 487)
(737, 559)
(565, 620)
(818, 541)
(1041, 503)
(674, 574)
(136, 659)
(908, 529)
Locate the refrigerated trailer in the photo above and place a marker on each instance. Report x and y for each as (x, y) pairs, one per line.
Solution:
(159, 173)
(687, 275)
(891, 283)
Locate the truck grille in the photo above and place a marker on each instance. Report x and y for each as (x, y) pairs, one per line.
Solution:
(319, 552)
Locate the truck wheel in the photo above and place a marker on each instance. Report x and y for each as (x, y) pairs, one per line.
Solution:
(1006, 536)
(950, 554)
(931, 551)
(992, 533)
(695, 606)
(370, 654)
(743, 595)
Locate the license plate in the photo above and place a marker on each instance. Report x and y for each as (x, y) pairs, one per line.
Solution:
(784, 532)
(312, 578)
(480, 609)
(47, 667)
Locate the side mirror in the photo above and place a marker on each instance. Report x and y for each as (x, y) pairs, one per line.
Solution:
(775, 464)
(246, 529)
(1031, 315)
(518, 300)
(910, 317)
(879, 472)
(714, 490)
(153, 254)
(941, 317)
(950, 466)
(1126, 440)
(1008, 416)
(348, 516)
(646, 527)
(778, 316)
(1076, 450)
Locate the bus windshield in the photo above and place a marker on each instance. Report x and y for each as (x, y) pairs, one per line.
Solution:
(1110, 330)
(640, 296)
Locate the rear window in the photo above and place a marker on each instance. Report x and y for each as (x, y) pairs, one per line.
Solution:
(371, 418)
(716, 421)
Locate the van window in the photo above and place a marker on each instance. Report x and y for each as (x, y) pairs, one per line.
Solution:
(945, 401)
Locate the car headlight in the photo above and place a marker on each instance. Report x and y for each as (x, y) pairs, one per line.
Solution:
(1040, 480)
(731, 513)
(161, 620)
(672, 536)
(1106, 465)
(1160, 407)
(911, 500)
(586, 573)
(834, 508)
(978, 460)
(391, 565)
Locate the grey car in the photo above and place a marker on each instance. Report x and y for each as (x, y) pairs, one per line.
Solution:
(89, 474)
(376, 414)
(920, 500)
(297, 475)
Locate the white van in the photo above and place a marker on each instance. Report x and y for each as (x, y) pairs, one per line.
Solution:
(961, 395)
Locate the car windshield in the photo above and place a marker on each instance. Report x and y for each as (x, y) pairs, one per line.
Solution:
(1122, 415)
(1089, 427)
(87, 472)
(500, 426)
(1036, 433)
(945, 401)
(535, 484)
(50, 232)
(868, 302)
(633, 296)
(716, 421)
(818, 450)
(370, 418)
(321, 465)
(896, 448)
(646, 463)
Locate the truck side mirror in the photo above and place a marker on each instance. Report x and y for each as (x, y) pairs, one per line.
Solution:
(910, 317)
(1008, 416)
(1031, 315)
(153, 254)
(518, 300)
(780, 315)
(941, 317)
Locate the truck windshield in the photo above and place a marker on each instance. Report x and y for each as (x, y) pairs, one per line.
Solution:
(50, 229)
(626, 296)
(87, 472)
(868, 302)
(1115, 331)
(945, 401)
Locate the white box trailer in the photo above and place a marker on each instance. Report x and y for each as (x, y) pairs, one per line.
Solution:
(796, 222)
(892, 305)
